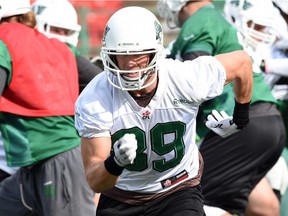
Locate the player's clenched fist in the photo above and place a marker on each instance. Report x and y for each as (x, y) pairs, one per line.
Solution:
(125, 150)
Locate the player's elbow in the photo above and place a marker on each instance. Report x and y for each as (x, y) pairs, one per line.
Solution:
(247, 63)
(241, 68)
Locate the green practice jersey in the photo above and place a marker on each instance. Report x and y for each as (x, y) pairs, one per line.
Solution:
(28, 140)
(207, 30)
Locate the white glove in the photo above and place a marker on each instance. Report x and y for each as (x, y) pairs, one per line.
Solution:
(125, 150)
(221, 123)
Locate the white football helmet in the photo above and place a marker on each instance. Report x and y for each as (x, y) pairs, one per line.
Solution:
(132, 31)
(14, 7)
(169, 10)
(60, 14)
(248, 15)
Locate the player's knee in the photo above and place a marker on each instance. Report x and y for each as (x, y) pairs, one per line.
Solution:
(271, 207)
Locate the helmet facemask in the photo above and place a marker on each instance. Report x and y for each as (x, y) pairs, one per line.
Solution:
(255, 37)
(71, 36)
(124, 82)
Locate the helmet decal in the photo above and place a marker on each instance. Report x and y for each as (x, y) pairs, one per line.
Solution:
(159, 31)
(245, 6)
(104, 35)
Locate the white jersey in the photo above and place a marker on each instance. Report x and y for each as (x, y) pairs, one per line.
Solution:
(165, 129)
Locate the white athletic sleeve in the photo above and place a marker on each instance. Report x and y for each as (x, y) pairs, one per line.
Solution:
(201, 79)
(92, 111)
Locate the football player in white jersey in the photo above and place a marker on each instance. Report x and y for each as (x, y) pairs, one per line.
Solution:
(137, 119)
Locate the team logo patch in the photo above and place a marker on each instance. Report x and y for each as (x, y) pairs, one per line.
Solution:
(146, 115)
(174, 180)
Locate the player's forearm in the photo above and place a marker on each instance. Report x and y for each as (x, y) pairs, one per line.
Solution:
(243, 83)
(99, 179)
(238, 66)
(243, 90)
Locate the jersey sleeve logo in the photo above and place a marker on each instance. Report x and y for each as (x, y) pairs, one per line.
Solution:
(189, 37)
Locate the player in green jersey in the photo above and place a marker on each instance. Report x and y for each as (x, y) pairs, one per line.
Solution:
(262, 34)
(230, 161)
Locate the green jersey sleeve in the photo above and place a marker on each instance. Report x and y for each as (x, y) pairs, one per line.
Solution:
(5, 60)
(207, 30)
